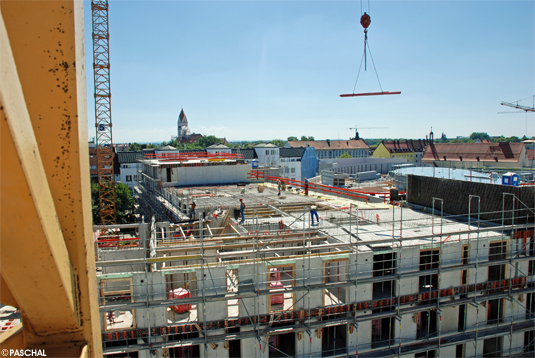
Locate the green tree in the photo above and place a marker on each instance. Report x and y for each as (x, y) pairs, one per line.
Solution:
(345, 155)
(278, 142)
(479, 135)
(134, 147)
(512, 139)
(305, 138)
(292, 139)
(124, 204)
(207, 141)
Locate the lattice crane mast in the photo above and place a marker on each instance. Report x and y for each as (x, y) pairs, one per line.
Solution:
(103, 123)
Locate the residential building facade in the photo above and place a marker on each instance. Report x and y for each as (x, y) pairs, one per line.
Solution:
(330, 149)
(476, 155)
(410, 149)
(298, 163)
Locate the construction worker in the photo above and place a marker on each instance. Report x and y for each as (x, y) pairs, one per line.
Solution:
(306, 186)
(313, 213)
(279, 185)
(193, 205)
(242, 211)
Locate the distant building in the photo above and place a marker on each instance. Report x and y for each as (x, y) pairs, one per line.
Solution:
(330, 149)
(268, 154)
(166, 170)
(476, 155)
(410, 149)
(298, 163)
(530, 151)
(184, 135)
(129, 166)
(218, 148)
(183, 129)
(249, 154)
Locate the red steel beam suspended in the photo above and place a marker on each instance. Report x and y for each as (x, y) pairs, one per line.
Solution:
(369, 94)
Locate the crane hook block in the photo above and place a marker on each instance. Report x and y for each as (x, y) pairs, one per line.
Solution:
(365, 20)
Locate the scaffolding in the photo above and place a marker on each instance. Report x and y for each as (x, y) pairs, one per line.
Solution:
(367, 281)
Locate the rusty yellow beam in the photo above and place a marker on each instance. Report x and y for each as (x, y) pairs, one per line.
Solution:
(28, 212)
(47, 247)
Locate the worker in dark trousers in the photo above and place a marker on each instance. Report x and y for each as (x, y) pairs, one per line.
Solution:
(193, 205)
(306, 186)
(279, 185)
(242, 211)
(313, 213)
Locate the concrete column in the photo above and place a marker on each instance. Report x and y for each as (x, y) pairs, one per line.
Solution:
(152, 353)
(309, 346)
(409, 262)
(450, 320)
(210, 352)
(253, 305)
(408, 328)
(447, 351)
(361, 267)
(155, 289)
(471, 316)
(312, 277)
(481, 251)
(251, 348)
(517, 344)
(214, 282)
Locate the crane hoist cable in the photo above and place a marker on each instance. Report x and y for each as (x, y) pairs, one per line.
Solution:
(365, 21)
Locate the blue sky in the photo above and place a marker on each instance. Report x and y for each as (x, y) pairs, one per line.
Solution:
(248, 70)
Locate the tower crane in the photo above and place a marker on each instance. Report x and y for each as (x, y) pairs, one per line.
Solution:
(103, 123)
(357, 133)
(518, 106)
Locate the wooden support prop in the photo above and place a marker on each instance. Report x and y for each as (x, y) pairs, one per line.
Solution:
(214, 346)
(369, 94)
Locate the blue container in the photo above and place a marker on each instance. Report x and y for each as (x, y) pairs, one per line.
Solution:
(510, 179)
(254, 163)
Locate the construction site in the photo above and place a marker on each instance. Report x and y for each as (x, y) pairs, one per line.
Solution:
(225, 260)
(370, 279)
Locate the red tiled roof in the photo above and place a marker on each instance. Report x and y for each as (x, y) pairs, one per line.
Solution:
(192, 139)
(408, 145)
(330, 144)
(473, 152)
(530, 153)
(182, 116)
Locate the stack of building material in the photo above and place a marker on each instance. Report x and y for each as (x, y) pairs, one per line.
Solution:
(177, 294)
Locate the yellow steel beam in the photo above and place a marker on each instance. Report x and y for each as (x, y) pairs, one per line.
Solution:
(46, 240)
(30, 229)
(6, 297)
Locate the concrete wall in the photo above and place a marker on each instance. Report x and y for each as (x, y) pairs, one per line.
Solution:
(421, 190)
(123, 254)
(357, 165)
(205, 175)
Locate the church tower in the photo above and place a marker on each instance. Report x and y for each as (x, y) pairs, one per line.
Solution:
(183, 129)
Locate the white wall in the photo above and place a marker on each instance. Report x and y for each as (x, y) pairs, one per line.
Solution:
(290, 168)
(267, 156)
(129, 171)
(205, 175)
